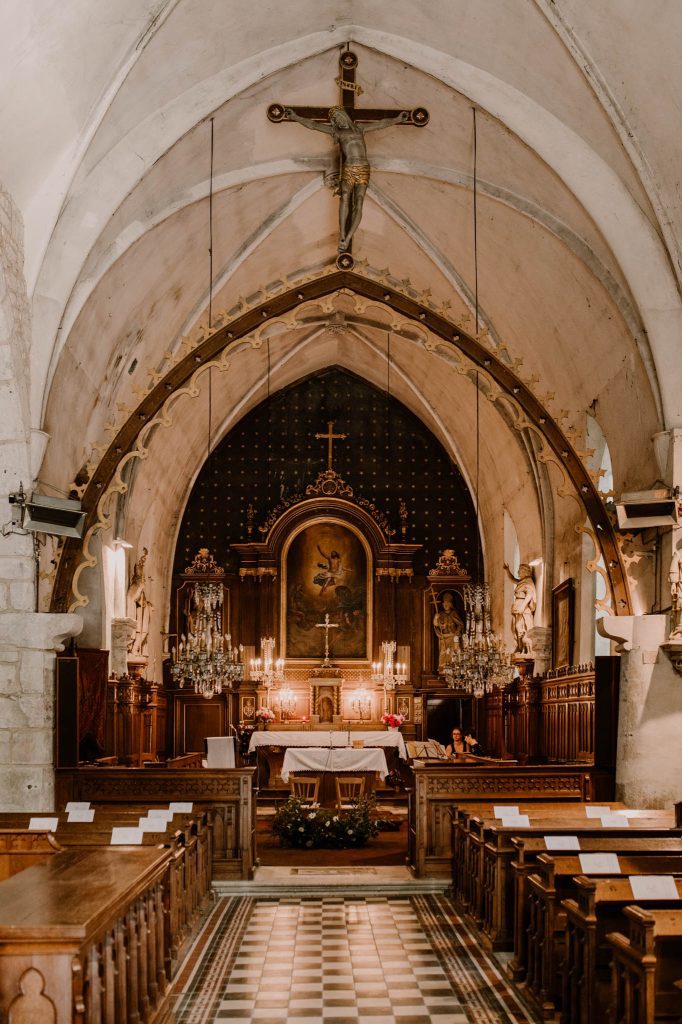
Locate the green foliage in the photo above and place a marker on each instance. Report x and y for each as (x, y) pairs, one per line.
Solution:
(299, 824)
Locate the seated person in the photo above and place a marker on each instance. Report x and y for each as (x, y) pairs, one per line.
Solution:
(463, 744)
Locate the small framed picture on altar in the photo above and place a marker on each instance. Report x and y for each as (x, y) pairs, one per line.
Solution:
(563, 624)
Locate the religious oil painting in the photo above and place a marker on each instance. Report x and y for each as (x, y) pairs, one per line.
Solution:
(326, 572)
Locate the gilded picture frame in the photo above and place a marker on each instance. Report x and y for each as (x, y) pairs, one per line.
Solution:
(326, 566)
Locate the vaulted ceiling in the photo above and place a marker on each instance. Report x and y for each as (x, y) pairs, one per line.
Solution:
(105, 123)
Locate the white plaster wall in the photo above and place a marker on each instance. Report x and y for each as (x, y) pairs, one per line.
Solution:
(649, 761)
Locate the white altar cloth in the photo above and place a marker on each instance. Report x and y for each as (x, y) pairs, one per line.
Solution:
(334, 738)
(334, 759)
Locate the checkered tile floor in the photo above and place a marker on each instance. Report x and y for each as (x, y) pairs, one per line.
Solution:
(342, 960)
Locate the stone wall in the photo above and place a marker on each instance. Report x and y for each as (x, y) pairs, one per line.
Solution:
(27, 640)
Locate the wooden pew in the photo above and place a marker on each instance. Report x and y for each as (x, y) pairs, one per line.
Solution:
(469, 820)
(554, 880)
(192, 760)
(20, 849)
(437, 788)
(188, 836)
(645, 967)
(494, 881)
(71, 952)
(655, 842)
(594, 911)
(229, 792)
(482, 877)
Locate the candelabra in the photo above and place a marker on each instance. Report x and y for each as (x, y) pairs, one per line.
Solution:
(286, 702)
(265, 670)
(205, 658)
(362, 703)
(387, 674)
(478, 660)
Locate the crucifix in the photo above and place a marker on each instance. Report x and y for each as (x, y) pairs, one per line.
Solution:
(330, 437)
(326, 626)
(343, 123)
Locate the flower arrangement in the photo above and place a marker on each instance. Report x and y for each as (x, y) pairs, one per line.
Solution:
(392, 721)
(300, 824)
(265, 715)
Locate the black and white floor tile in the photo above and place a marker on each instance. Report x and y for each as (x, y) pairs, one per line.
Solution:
(342, 960)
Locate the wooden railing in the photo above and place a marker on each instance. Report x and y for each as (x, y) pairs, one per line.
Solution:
(567, 716)
(80, 953)
(228, 792)
(439, 789)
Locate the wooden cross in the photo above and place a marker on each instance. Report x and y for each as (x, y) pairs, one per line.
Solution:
(348, 62)
(330, 437)
(326, 626)
(351, 205)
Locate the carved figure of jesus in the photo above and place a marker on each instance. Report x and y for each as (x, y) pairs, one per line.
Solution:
(354, 174)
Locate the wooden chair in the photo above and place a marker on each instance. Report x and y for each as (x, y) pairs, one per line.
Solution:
(349, 789)
(305, 787)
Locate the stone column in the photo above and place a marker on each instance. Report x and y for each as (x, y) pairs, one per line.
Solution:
(28, 645)
(122, 632)
(648, 764)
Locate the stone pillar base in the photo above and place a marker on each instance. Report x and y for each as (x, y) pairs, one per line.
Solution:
(648, 766)
(28, 645)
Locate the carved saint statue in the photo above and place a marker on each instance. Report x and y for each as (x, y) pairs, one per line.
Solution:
(523, 608)
(354, 173)
(448, 627)
(675, 580)
(138, 607)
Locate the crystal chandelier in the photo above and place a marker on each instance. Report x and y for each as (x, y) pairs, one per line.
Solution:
(205, 658)
(386, 673)
(266, 670)
(478, 660)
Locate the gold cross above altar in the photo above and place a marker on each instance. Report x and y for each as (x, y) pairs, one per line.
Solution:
(330, 437)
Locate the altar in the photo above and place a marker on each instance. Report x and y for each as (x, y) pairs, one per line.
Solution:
(369, 752)
(329, 738)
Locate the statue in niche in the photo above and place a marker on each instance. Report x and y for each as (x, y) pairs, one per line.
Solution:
(523, 608)
(675, 580)
(448, 626)
(139, 607)
(353, 179)
(326, 709)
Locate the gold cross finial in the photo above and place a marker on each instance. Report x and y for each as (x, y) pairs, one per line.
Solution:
(330, 437)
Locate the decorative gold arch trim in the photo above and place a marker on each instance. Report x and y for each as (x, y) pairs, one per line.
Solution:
(498, 382)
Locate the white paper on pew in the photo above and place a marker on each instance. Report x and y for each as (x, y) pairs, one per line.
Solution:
(160, 812)
(126, 836)
(181, 807)
(596, 811)
(521, 820)
(653, 887)
(152, 824)
(43, 824)
(77, 805)
(82, 814)
(562, 842)
(614, 821)
(500, 810)
(599, 863)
